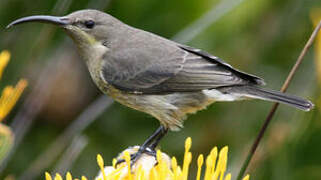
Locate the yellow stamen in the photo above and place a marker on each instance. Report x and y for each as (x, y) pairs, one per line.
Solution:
(228, 177)
(114, 163)
(117, 172)
(186, 164)
(200, 161)
(58, 177)
(153, 174)
(68, 176)
(213, 155)
(209, 164)
(127, 159)
(48, 176)
(4, 59)
(100, 162)
(223, 161)
(247, 177)
(174, 167)
(160, 166)
(140, 173)
(179, 173)
(10, 96)
(188, 144)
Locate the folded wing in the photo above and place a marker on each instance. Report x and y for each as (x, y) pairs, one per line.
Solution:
(184, 69)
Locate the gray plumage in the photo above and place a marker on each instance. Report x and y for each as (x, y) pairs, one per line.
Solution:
(155, 75)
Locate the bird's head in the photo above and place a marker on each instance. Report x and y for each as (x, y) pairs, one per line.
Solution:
(85, 27)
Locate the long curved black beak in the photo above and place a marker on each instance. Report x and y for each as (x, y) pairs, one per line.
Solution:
(46, 19)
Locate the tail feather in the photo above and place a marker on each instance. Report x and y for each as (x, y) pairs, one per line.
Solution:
(270, 95)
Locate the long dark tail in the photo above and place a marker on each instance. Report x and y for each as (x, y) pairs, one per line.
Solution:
(269, 95)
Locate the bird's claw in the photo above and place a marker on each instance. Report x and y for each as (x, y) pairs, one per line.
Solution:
(135, 156)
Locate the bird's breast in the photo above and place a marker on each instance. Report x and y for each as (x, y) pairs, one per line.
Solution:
(94, 60)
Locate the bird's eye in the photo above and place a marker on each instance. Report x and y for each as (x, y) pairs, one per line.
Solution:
(89, 24)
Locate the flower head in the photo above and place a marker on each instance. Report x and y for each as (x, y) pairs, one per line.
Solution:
(10, 94)
(164, 168)
(8, 99)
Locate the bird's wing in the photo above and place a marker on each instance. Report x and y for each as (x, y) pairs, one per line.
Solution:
(221, 64)
(184, 69)
(138, 69)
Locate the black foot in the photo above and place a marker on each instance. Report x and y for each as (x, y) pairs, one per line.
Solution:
(148, 146)
(134, 157)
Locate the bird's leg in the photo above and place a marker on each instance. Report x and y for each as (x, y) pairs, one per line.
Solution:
(153, 145)
(150, 140)
(148, 146)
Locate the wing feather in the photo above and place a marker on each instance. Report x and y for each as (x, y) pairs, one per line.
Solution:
(163, 68)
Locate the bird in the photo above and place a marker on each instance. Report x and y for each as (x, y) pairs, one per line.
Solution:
(155, 75)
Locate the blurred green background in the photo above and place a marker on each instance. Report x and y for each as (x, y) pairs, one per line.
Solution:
(262, 37)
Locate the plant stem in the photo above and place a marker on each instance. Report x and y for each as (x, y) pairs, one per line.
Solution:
(275, 106)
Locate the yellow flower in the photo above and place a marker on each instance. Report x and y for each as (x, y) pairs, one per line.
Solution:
(8, 99)
(4, 59)
(10, 94)
(147, 168)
